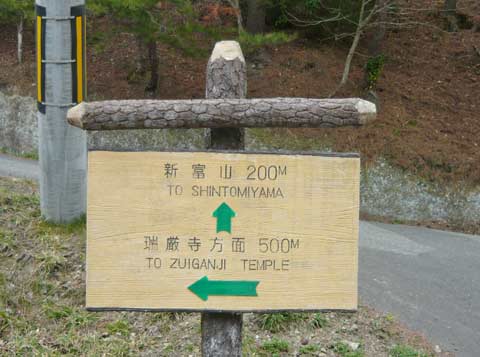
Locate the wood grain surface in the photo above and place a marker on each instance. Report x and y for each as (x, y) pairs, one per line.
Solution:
(297, 216)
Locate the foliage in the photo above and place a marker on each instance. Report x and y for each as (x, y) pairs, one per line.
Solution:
(173, 21)
(11, 11)
(251, 43)
(139, 16)
(342, 349)
(279, 321)
(405, 351)
(120, 327)
(328, 18)
(309, 349)
(71, 317)
(75, 227)
(275, 346)
(374, 70)
(318, 320)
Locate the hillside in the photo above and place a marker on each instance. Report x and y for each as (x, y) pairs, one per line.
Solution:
(428, 91)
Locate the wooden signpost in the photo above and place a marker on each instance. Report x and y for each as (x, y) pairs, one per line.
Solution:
(222, 232)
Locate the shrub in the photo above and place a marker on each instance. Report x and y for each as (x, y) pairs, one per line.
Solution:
(251, 43)
(374, 70)
(275, 346)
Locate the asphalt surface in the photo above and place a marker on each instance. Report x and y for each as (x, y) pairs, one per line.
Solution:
(428, 279)
(11, 166)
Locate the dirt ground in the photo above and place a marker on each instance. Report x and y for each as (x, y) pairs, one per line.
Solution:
(429, 120)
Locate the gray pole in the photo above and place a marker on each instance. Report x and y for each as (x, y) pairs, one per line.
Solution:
(226, 78)
(61, 84)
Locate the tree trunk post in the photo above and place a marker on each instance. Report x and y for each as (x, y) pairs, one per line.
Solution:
(226, 78)
(60, 34)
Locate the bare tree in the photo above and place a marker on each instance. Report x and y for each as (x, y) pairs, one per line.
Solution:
(363, 20)
(373, 14)
(235, 4)
(20, 12)
(20, 25)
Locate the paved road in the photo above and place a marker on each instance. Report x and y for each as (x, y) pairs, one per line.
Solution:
(14, 167)
(428, 279)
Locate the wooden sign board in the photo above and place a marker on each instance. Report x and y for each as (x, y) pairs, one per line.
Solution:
(197, 231)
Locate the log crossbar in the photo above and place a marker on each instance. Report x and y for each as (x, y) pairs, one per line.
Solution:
(221, 113)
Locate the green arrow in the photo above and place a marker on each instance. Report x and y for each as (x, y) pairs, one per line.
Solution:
(203, 288)
(224, 215)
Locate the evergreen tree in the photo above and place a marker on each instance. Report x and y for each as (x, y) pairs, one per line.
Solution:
(18, 12)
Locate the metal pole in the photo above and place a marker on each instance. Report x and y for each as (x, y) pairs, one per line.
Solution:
(226, 78)
(60, 35)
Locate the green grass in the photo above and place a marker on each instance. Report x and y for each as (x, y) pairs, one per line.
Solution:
(249, 346)
(389, 318)
(318, 320)
(71, 317)
(274, 347)
(406, 351)
(253, 42)
(280, 321)
(31, 155)
(309, 349)
(75, 227)
(120, 327)
(344, 350)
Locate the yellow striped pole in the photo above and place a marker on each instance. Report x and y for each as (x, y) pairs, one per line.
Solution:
(60, 36)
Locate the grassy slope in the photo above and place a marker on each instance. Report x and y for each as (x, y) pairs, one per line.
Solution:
(42, 288)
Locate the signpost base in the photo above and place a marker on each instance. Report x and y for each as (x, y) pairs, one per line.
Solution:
(221, 334)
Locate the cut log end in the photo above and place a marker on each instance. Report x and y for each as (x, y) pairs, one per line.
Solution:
(366, 110)
(75, 115)
(228, 50)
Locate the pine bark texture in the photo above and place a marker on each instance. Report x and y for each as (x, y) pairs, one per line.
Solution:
(226, 79)
(226, 72)
(221, 113)
(222, 334)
